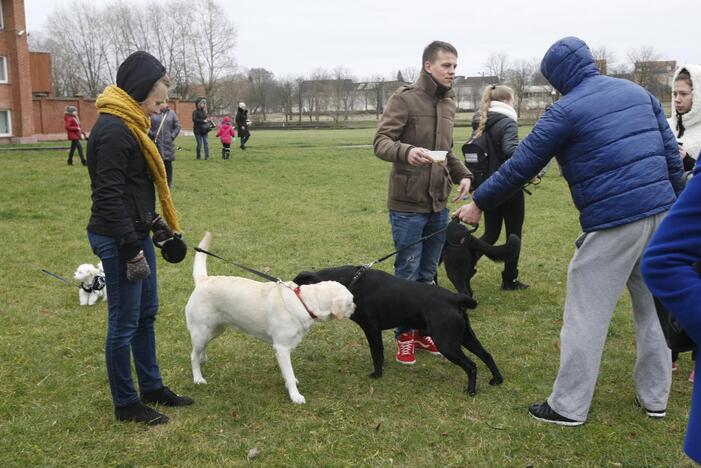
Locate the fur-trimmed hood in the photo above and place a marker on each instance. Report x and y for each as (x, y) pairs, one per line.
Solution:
(692, 119)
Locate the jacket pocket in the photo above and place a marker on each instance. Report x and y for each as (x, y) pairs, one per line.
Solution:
(407, 188)
(444, 186)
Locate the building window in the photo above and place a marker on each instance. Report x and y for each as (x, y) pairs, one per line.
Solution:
(5, 123)
(2, 18)
(3, 69)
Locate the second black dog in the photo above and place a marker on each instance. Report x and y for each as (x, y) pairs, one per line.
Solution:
(384, 301)
(462, 250)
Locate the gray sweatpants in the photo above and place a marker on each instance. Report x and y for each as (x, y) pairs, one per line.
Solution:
(605, 263)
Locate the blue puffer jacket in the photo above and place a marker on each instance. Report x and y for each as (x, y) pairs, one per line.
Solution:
(610, 136)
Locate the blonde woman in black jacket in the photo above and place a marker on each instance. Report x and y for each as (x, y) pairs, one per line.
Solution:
(498, 119)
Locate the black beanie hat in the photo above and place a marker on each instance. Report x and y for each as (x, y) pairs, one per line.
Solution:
(138, 73)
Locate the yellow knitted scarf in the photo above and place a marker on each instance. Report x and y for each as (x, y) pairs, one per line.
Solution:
(115, 101)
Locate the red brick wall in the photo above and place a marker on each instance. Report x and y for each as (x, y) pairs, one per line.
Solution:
(48, 115)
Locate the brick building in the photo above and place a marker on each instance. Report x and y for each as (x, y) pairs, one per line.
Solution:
(16, 122)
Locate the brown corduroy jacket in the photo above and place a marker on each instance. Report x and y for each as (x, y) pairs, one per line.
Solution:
(417, 116)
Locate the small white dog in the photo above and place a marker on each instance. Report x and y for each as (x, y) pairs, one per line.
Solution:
(280, 314)
(92, 283)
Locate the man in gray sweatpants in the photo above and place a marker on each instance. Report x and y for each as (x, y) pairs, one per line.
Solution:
(622, 164)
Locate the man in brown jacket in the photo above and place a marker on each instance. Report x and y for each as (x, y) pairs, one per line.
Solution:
(417, 122)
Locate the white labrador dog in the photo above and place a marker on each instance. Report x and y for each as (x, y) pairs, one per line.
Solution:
(269, 311)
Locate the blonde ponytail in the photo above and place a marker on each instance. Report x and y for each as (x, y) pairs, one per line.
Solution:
(491, 93)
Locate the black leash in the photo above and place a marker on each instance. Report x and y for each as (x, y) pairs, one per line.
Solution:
(62, 279)
(534, 181)
(243, 267)
(361, 271)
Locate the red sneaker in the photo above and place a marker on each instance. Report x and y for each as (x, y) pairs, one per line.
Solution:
(405, 348)
(674, 366)
(426, 343)
(691, 376)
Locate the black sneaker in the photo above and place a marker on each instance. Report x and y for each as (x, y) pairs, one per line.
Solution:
(651, 413)
(514, 285)
(544, 413)
(138, 412)
(167, 397)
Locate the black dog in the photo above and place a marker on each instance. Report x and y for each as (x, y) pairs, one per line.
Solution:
(462, 250)
(384, 301)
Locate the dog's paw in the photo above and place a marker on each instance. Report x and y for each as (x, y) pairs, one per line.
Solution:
(375, 375)
(200, 380)
(471, 392)
(496, 380)
(298, 399)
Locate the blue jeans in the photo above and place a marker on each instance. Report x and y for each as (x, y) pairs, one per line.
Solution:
(420, 261)
(202, 140)
(132, 308)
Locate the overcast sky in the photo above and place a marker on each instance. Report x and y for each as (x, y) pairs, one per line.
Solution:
(293, 37)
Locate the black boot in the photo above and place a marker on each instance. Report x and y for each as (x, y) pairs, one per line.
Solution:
(138, 412)
(167, 397)
(509, 282)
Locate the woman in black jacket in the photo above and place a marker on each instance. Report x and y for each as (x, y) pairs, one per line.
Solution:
(498, 118)
(124, 165)
(242, 124)
(201, 125)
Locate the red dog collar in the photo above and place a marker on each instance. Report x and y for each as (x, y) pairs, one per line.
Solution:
(297, 291)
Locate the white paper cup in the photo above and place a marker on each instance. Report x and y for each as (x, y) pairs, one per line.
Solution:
(438, 156)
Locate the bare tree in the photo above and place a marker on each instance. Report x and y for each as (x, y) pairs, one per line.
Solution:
(644, 71)
(261, 87)
(497, 64)
(520, 75)
(213, 41)
(341, 94)
(410, 74)
(604, 58)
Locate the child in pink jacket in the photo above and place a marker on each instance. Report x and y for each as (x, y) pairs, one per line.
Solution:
(226, 133)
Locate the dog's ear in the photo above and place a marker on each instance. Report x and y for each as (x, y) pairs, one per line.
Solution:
(306, 277)
(467, 302)
(340, 307)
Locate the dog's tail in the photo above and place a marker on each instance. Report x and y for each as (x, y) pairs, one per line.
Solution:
(498, 253)
(199, 270)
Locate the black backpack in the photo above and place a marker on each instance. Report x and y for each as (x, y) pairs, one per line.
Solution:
(480, 157)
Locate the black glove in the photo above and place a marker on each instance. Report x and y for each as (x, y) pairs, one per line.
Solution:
(161, 231)
(137, 268)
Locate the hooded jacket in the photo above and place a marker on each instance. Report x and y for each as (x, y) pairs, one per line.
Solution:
(72, 126)
(502, 128)
(611, 138)
(419, 115)
(668, 267)
(692, 119)
(225, 131)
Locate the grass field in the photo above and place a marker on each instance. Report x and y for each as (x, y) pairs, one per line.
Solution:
(295, 201)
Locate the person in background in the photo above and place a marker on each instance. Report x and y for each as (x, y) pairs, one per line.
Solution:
(242, 125)
(126, 171)
(622, 164)
(201, 125)
(686, 119)
(165, 127)
(418, 118)
(226, 134)
(498, 118)
(669, 267)
(74, 132)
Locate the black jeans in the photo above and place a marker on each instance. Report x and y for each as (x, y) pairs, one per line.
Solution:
(511, 213)
(169, 171)
(75, 144)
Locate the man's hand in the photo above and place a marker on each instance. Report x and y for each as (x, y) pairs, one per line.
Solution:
(419, 157)
(464, 189)
(469, 214)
